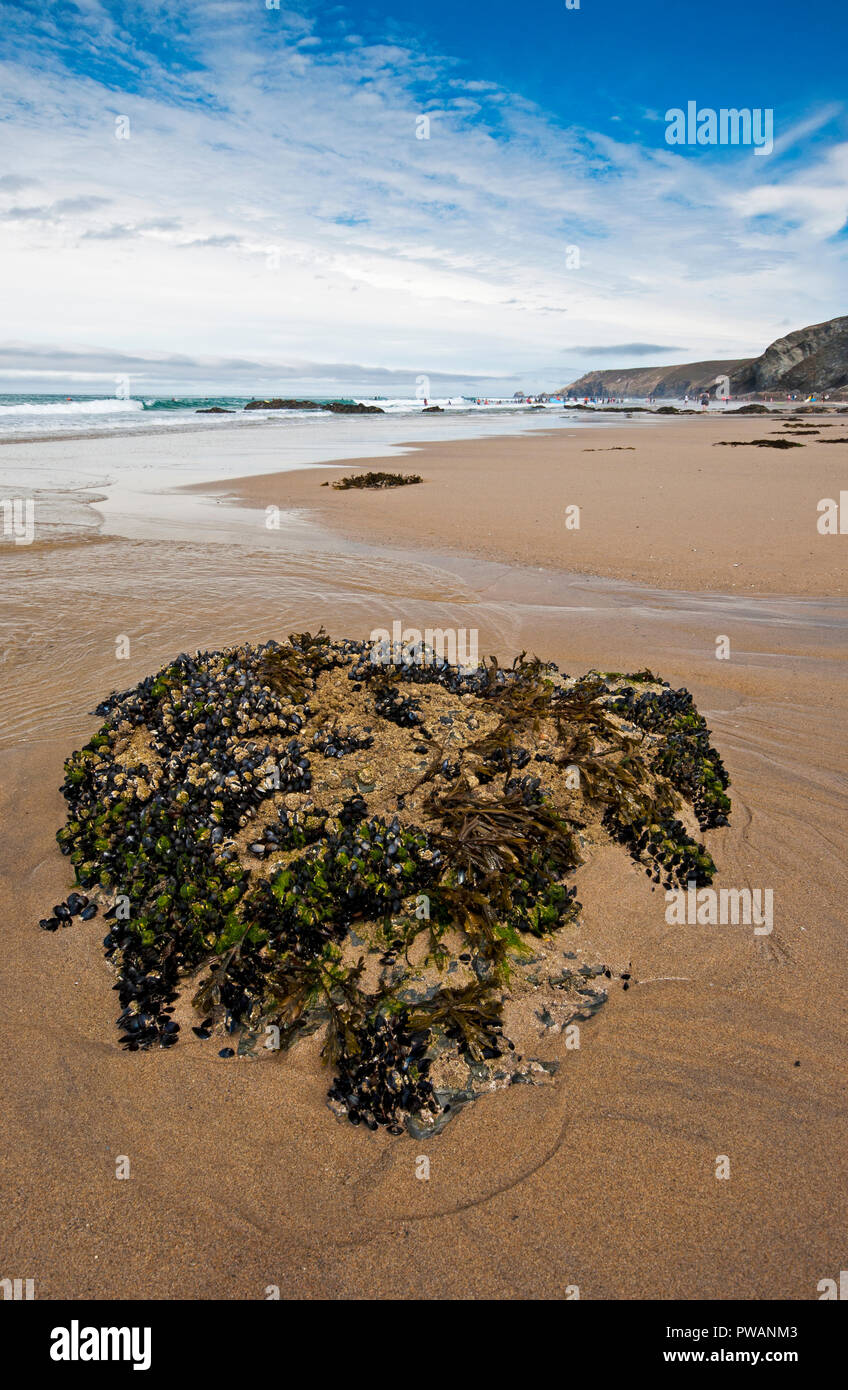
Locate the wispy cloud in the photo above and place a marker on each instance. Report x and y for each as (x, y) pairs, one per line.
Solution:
(274, 204)
(95, 370)
(626, 350)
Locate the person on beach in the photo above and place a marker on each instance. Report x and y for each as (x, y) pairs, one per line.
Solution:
(705, 400)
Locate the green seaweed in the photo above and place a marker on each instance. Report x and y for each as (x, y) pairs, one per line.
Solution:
(373, 479)
(267, 945)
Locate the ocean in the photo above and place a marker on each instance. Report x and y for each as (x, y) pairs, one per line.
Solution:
(30, 416)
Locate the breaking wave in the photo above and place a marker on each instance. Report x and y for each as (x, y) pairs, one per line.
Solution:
(112, 405)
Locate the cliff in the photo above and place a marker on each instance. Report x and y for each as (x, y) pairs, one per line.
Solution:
(810, 359)
(813, 359)
(688, 379)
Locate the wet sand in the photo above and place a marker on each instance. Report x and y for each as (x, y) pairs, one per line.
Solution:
(241, 1178)
(661, 502)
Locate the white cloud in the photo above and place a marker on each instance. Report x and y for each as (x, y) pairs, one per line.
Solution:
(274, 204)
(815, 201)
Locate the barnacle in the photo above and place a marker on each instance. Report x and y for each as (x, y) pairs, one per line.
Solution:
(301, 837)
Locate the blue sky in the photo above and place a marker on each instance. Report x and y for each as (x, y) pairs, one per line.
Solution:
(272, 219)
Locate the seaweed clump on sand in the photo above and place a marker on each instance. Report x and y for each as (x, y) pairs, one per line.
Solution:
(305, 837)
(778, 442)
(375, 480)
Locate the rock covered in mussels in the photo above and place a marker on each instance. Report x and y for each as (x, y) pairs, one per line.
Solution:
(300, 837)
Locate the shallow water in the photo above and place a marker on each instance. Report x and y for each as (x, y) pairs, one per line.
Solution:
(196, 572)
(222, 447)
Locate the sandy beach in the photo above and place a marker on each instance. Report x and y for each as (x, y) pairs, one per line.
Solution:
(726, 1043)
(670, 503)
